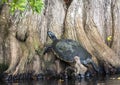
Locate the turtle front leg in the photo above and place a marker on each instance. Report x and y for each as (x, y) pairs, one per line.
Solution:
(47, 49)
(80, 68)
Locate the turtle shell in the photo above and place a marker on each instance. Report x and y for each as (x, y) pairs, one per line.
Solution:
(67, 49)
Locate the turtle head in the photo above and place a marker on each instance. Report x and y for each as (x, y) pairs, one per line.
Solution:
(51, 35)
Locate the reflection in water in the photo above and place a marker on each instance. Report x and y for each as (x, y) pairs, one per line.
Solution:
(105, 80)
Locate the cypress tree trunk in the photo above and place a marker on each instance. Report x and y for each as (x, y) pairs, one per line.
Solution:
(90, 22)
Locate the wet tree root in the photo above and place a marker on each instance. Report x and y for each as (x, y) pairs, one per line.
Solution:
(32, 76)
(22, 76)
(50, 75)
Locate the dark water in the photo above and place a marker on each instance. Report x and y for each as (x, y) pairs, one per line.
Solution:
(104, 80)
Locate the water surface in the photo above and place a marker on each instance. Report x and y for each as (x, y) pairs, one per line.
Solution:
(103, 80)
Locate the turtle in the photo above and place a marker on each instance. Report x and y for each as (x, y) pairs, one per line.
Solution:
(67, 49)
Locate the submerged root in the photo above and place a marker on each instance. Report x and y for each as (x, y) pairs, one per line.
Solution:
(21, 76)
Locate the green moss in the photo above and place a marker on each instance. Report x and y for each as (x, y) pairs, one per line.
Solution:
(3, 67)
(36, 44)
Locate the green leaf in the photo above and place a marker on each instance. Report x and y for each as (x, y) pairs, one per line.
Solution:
(21, 8)
(22, 5)
(3, 1)
(109, 38)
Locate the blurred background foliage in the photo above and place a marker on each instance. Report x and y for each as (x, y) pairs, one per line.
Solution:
(22, 5)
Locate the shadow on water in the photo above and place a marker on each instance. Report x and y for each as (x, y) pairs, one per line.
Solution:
(101, 80)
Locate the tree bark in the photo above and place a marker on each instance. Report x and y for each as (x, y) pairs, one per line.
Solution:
(104, 52)
(90, 22)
